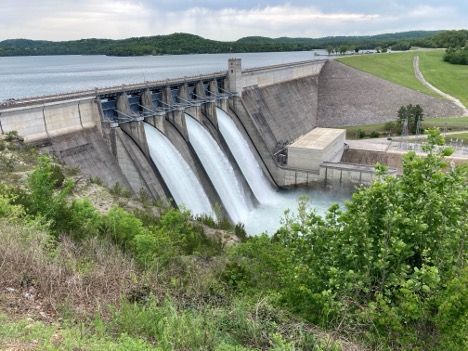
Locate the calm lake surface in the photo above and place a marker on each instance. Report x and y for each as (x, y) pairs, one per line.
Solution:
(31, 76)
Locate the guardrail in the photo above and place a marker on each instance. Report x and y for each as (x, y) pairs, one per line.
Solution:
(107, 91)
(282, 65)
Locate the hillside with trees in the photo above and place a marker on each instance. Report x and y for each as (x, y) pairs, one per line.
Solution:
(183, 43)
(387, 271)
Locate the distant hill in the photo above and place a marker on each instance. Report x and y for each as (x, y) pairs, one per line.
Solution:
(184, 43)
(340, 39)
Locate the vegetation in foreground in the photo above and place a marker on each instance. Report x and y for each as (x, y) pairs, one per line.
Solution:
(389, 270)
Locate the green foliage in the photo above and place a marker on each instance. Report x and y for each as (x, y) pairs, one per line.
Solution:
(8, 210)
(258, 264)
(7, 162)
(96, 180)
(143, 196)
(122, 227)
(239, 325)
(119, 190)
(361, 134)
(10, 136)
(389, 126)
(412, 114)
(374, 134)
(83, 219)
(452, 314)
(457, 55)
(25, 334)
(183, 43)
(384, 260)
(41, 198)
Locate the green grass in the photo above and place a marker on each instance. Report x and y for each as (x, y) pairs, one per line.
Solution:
(451, 79)
(395, 67)
(459, 136)
(452, 124)
(456, 123)
(27, 334)
(398, 68)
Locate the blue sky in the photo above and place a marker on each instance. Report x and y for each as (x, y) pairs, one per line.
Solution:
(224, 20)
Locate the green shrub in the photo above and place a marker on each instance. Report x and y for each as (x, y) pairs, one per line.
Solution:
(374, 134)
(56, 175)
(7, 163)
(120, 191)
(96, 180)
(10, 136)
(361, 134)
(42, 199)
(122, 227)
(83, 219)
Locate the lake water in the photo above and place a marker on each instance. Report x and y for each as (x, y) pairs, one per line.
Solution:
(32, 76)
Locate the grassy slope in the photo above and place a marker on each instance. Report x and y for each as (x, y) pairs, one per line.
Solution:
(451, 79)
(398, 68)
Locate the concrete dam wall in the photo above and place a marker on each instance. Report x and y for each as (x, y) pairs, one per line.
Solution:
(272, 107)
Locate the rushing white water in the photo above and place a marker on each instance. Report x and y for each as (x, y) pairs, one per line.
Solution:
(219, 169)
(178, 176)
(249, 166)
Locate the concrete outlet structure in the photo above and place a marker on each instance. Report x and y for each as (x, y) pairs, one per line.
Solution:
(318, 146)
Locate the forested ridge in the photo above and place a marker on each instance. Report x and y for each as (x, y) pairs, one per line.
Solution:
(183, 43)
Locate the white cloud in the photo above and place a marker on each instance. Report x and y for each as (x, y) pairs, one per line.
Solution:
(223, 20)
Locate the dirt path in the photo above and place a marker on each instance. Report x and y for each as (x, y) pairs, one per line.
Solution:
(420, 77)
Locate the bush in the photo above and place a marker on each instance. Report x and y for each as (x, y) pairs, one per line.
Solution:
(374, 134)
(361, 134)
(392, 259)
(10, 136)
(119, 190)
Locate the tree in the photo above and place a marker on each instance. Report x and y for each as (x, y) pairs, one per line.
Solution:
(343, 49)
(412, 114)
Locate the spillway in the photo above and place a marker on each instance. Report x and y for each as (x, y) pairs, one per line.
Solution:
(184, 186)
(245, 158)
(219, 170)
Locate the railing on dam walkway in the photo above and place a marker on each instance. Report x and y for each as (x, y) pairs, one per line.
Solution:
(109, 91)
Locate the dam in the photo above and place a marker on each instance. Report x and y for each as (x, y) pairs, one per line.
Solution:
(233, 137)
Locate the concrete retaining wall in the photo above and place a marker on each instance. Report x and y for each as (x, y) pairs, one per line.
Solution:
(87, 150)
(270, 75)
(38, 123)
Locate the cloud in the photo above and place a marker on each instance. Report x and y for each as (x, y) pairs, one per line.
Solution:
(224, 20)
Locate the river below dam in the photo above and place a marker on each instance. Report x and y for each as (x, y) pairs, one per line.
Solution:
(25, 77)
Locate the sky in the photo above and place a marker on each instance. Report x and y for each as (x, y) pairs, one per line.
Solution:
(59, 20)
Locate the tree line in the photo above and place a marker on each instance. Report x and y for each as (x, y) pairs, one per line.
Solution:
(184, 43)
